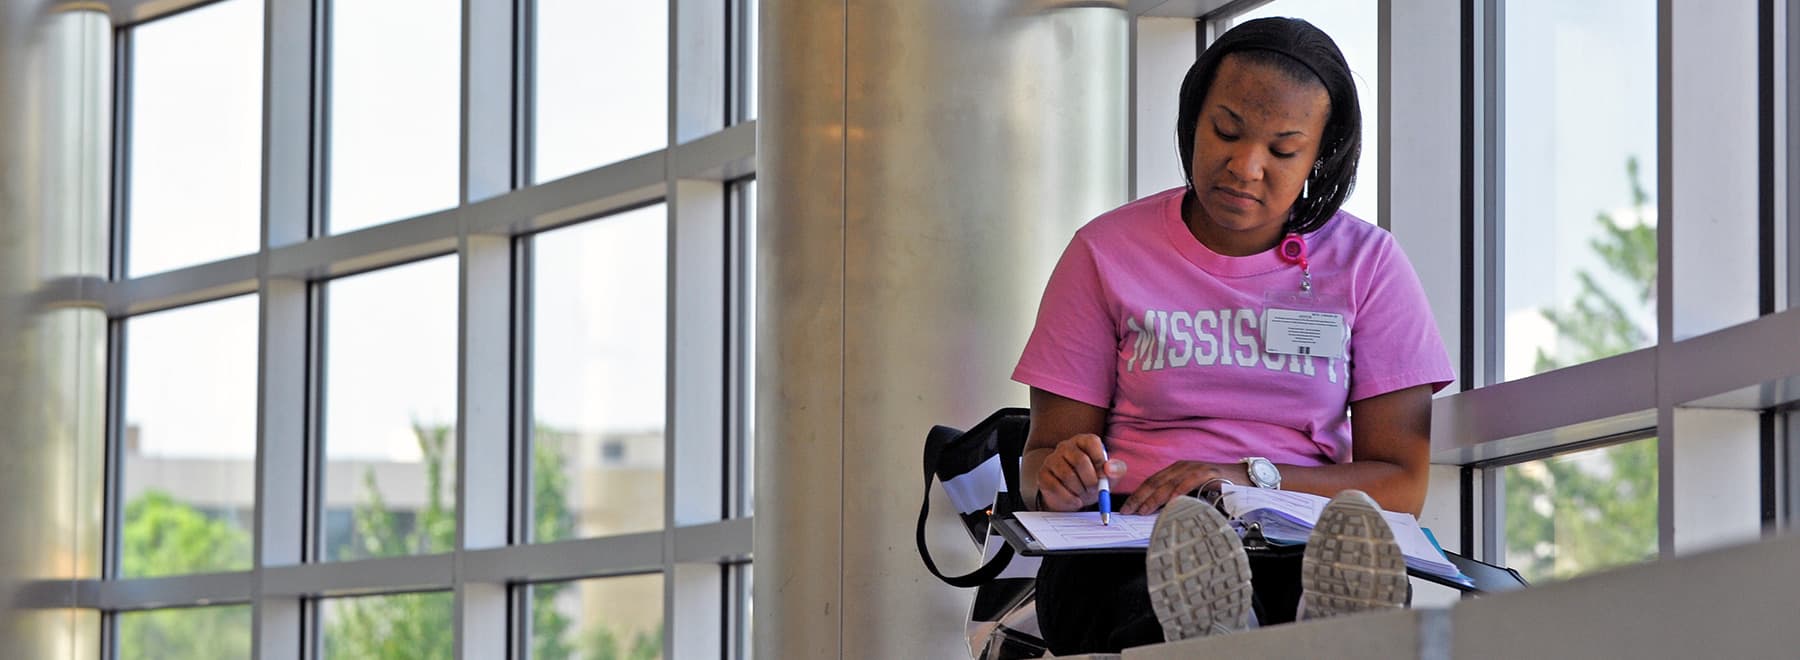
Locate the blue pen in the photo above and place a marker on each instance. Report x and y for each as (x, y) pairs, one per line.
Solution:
(1105, 491)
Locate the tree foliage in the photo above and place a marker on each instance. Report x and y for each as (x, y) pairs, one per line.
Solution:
(166, 537)
(163, 536)
(1568, 515)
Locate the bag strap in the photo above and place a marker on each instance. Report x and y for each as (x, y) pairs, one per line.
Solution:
(935, 442)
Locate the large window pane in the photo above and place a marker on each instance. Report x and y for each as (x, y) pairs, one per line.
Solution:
(201, 632)
(194, 185)
(744, 319)
(1352, 24)
(1582, 512)
(747, 58)
(390, 412)
(619, 617)
(602, 83)
(396, 99)
(189, 448)
(599, 349)
(398, 627)
(743, 608)
(1579, 179)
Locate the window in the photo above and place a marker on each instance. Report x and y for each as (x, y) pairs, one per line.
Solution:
(614, 617)
(195, 138)
(599, 329)
(1353, 26)
(188, 445)
(1582, 512)
(390, 412)
(1578, 182)
(197, 632)
(743, 608)
(746, 38)
(326, 317)
(602, 84)
(395, 115)
(742, 296)
(397, 626)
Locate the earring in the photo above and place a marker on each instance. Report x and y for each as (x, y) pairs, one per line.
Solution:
(1306, 186)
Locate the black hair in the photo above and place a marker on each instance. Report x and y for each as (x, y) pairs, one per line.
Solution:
(1304, 53)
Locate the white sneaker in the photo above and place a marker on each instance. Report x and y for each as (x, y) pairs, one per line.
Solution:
(1198, 574)
(1352, 563)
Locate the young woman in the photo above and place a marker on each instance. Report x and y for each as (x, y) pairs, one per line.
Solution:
(1229, 330)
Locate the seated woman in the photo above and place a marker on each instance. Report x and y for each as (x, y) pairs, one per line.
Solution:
(1230, 331)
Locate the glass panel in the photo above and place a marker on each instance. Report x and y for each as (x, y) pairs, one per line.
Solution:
(1580, 182)
(746, 610)
(602, 83)
(189, 447)
(396, 110)
(194, 185)
(599, 318)
(1352, 24)
(1582, 512)
(197, 632)
(619, 617)
(401, 626)
(390, 412)
(747, 73)
(746, 348)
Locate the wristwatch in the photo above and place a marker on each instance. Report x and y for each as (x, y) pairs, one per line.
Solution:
(1263, 472)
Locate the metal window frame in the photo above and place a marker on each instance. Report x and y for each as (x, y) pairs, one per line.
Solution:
(296, 260)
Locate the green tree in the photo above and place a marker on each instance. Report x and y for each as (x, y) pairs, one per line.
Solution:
(405, 625)
(1598, 324)
(419, 625)
(1566, 516)
(165, 537)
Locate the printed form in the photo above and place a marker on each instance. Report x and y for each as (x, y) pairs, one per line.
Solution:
(1075, 530)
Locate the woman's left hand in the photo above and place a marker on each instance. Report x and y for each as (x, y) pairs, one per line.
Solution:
(1180, 478)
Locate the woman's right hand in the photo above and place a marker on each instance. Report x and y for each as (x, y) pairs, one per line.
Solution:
(1069, 478)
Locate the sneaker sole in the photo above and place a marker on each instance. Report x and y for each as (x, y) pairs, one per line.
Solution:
(1198, 574)
(1352, 563)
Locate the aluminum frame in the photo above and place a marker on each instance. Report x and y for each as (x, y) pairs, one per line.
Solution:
(496, 208)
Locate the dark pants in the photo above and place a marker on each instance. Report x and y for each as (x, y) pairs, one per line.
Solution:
(1101, 602)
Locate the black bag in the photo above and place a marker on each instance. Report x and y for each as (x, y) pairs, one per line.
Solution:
(976, 467)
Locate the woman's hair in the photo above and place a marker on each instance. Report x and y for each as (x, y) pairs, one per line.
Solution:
(1304, 53)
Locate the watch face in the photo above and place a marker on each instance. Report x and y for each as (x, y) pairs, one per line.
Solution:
(1264, 473)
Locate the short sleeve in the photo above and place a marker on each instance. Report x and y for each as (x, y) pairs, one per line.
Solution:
(1394, 342)
(1072, 349)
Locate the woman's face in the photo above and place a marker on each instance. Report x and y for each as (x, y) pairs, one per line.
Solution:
(1257, 138)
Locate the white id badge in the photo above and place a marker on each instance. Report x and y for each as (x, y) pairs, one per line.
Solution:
(1298, 324)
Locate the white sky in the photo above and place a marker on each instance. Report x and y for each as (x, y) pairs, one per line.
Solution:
(391, 341)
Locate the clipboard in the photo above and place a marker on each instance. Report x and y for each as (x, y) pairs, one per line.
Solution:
(1008, 526)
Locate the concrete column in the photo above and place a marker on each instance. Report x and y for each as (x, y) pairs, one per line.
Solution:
(55, 78)
(922, 165)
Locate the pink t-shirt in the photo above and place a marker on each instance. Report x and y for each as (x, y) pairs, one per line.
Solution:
(1142, 319)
